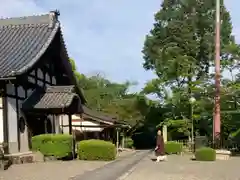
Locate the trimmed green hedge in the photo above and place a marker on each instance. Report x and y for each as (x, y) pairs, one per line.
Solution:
(96, 150)
(128, 143)
(172, 147)
(205, 154)
(57, 145)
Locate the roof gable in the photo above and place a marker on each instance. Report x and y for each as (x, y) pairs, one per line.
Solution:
(53, 100)
(24, 40)
(28, 20)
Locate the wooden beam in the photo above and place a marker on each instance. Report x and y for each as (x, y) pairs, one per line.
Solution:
(18, 117)
(89, 126)
(70, 123)
(5, 120)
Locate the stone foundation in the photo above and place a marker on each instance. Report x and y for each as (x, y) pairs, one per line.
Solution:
(21, 158)
(222, 154)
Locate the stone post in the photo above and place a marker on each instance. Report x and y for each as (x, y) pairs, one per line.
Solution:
(164, 131)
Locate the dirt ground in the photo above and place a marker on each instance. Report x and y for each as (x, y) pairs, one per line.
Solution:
(182, 168)
(53, 170)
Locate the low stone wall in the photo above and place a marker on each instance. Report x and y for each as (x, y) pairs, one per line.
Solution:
(222, 154)
(20, 158)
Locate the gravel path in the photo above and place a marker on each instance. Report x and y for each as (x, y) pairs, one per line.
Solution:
(52, 170)
(182, 168)
(55, 170)
(114, 170)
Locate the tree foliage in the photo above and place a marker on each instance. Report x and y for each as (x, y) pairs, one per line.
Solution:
(180, 49)
(113, 98)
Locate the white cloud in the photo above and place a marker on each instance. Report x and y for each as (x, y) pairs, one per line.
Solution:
(11, 8)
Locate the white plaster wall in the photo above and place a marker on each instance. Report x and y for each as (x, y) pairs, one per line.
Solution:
(21, 92)
(24, 143)
(40, 83)
(33, 73)
(50, 117)
(54, 80)
(87, 129)
(40, 75)
(1, 122)
(47, 77)
(29, 92)
(12, 120)
(54, 121)
(12, 125)
(63, 120)
(10, 89)
(57, 124)
(31, 79)
(78, 122)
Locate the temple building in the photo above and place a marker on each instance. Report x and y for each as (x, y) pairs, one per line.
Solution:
(37, 84)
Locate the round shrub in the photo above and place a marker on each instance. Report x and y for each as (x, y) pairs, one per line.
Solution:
(205, 154)
(57, 145)
(172, 147)
(128, 143)
(96, 150)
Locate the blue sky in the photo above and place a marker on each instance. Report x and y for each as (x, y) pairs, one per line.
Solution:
(104, 36)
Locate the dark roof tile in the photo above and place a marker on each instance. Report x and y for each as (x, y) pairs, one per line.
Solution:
(96, 114)
(53, 97)
(23, 41)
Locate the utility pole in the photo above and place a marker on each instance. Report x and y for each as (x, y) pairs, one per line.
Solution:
(217, 116)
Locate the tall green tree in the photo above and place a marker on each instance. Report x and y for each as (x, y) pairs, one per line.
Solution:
(180, 50)
(180, 47)
(112, 98)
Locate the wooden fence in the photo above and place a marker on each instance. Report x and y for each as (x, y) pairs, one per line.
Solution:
(228, 145)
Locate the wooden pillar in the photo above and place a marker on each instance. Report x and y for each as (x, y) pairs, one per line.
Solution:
(164, 131)
(5, 120)
(73, 134)
(18, 117)
(53, 124)
(62, 124)
(123, 139)
(45, 125)
(117, 143)
(70, 123)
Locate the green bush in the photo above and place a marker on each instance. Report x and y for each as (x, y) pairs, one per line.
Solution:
(205, 154)
(57, 145)
(96, 150)
(172, 147)
(128, 143)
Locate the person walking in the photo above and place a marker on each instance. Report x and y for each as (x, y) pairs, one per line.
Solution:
(160, 150)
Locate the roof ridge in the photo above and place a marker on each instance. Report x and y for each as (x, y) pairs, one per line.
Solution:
(49, 18)
(60, 89)
(17, 17)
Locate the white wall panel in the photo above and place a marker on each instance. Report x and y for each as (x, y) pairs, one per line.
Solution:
(10, 89)
(1, 122)
(12, 125)
(47, 77)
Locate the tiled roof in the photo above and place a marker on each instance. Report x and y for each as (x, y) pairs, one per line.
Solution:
(96, 115)
(53, 97)
(24, 40)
